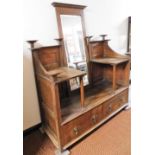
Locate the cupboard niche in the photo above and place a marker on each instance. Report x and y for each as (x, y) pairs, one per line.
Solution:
(78, 93)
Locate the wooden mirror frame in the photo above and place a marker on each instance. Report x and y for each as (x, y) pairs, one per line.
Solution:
(72, 9)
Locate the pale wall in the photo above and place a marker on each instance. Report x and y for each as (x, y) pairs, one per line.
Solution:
(101, 17)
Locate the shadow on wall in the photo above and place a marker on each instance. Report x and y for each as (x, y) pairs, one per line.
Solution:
(31, 113)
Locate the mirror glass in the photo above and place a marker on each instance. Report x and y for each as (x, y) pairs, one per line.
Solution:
(74, 46)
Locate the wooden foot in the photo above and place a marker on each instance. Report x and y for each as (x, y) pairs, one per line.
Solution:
(65, 152)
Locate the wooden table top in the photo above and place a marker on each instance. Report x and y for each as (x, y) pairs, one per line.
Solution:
(111, 61)
(65, 73)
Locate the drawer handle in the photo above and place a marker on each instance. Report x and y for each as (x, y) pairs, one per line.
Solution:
(109, 110)
(76, 131)
(94, 119)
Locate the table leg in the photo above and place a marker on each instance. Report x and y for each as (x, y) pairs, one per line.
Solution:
(82, 91)
(114, 77)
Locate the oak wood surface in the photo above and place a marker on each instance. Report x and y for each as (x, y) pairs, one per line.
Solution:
(88, 119)
(114, 78)
(77, 113)
(63, 5)
(68, 113)
(82, 92)
(65, 73)
(92, 98)
(111, 61)
(81, 124)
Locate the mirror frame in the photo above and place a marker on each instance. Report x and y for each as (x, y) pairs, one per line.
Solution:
(72, 9)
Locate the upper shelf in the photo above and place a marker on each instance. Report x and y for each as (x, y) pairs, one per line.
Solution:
(65, 73)
(111, 61)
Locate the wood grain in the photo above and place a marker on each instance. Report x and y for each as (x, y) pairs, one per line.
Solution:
(78, 113)
(111, 61)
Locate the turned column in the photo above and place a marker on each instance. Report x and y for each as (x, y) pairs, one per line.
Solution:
(32, 42)
(103, 36)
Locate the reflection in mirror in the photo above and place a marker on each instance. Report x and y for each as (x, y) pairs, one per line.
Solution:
(74, 46)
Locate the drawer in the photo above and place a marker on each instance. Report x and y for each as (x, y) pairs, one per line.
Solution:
(96, 115)
(80, 125)
(115, 103)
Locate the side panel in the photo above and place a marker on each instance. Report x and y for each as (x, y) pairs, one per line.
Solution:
(50, 108)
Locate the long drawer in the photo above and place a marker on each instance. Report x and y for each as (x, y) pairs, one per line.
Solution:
(115, 103)
(78, 126)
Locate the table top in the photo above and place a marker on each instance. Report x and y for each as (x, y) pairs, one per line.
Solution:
(112, 61)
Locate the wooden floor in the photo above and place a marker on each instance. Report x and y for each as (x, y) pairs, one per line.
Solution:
(112, 138)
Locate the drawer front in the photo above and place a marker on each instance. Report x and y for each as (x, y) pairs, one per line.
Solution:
(115, 103)
(80, 125)
(83, 123)
(96, 115)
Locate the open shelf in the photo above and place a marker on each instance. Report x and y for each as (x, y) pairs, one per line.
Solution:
(111, 61)
(98, 94)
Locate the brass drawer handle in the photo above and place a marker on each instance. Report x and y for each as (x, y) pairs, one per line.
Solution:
(76, 130)
(94, 119)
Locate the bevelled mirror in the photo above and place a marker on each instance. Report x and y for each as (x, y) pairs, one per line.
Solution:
(71, 29)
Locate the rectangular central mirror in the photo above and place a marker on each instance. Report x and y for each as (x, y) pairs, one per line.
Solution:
(74, 46)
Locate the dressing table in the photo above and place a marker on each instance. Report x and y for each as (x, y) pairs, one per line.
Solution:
(70, 110)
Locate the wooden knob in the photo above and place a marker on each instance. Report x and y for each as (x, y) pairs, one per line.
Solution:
(103, 36)
(32, 42)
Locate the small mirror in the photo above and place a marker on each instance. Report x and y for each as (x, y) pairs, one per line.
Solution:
(74, 45)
